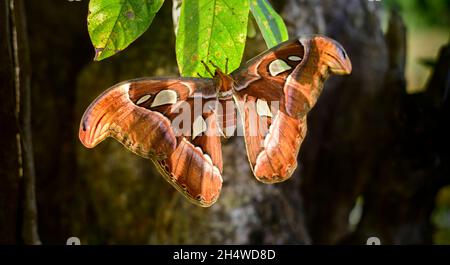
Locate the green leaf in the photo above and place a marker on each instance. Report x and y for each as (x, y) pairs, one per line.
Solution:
(213, 30)
(269, 22)
(115, 24)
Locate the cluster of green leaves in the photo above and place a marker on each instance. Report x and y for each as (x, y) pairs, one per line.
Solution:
(208, 30)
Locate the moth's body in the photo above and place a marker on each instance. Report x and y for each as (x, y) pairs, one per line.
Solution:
(273, 93)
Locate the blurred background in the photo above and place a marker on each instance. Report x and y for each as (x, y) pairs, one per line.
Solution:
(375, 161)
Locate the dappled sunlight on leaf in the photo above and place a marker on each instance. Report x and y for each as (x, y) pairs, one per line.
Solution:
(270, 23)
(115, 24)
(211, 31)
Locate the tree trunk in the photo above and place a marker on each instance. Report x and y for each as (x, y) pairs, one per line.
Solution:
(334, 158)
(9, 156)
(412, 163)
(59, 48)
(18, 173)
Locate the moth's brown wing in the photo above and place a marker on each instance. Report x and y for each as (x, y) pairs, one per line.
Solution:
(124, 112)
(195, 167)
(272, 143)
(272, 136)
(141, 115)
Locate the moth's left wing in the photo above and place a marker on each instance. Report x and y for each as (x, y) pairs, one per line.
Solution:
(156, 119)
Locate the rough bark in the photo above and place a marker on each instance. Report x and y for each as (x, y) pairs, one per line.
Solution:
(334, 158)
(19, 173)
(23, 79)
(412, 163)
(9, 157)
(59, 47)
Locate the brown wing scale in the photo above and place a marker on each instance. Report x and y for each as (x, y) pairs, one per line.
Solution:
(139, 114)
(292, 75)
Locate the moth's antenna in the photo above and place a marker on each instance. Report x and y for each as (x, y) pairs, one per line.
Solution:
(199, 75)
(207, 67)
(213, 64)
(226, 66)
